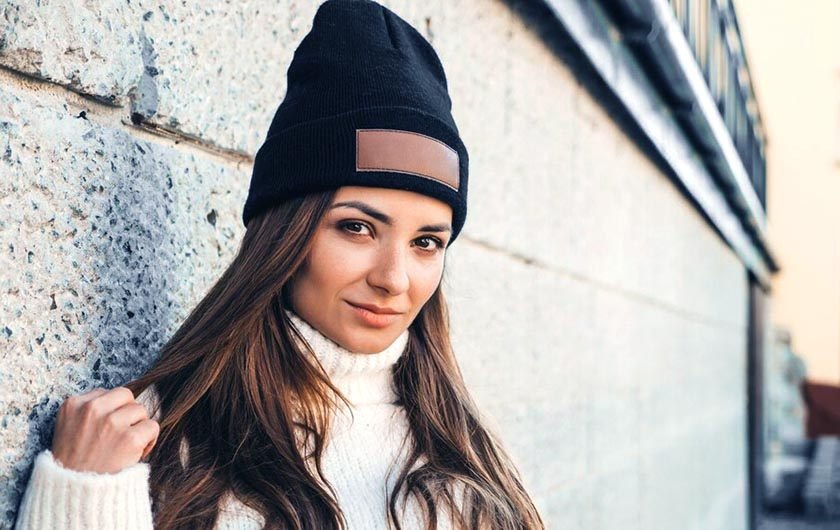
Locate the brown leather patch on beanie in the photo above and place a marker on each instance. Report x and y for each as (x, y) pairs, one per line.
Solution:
(407, 152)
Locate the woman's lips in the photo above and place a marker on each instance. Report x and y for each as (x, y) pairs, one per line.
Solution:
(373, 319)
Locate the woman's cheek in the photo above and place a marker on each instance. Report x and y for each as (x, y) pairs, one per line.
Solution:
(428, 277)
(338, 250)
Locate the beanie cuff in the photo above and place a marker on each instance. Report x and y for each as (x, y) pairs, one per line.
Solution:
(320, 154)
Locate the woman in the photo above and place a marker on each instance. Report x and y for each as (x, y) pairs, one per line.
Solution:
(314, 387)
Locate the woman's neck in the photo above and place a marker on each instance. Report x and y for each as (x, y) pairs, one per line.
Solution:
(364, 378)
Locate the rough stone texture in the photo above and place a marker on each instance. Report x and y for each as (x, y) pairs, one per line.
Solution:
(213, 71)
(599, 320)
(90, 47)
(107, 242)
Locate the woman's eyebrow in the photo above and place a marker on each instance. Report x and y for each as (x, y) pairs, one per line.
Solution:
(385, 218)
(435, 228)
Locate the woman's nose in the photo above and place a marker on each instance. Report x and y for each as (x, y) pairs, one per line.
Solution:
(390, 272)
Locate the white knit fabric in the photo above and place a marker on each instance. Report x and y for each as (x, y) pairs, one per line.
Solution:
(356, 460)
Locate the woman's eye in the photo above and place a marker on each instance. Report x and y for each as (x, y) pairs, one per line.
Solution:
(353, 227)
(436, 241)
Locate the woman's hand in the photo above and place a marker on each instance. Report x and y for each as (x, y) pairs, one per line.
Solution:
(103, 431)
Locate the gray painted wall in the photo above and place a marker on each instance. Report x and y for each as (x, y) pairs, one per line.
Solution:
(598, 319)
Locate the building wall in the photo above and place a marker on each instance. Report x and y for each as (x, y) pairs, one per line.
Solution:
(599, 320)
(803, 167)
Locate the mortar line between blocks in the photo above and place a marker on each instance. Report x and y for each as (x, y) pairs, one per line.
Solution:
(114, 116)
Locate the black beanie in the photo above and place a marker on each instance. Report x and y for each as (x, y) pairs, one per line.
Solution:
(366, 104)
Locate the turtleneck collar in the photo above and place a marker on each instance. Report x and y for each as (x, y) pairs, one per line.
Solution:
(364, 378)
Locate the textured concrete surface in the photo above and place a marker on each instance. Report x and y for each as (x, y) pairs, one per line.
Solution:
(599, 320)
(631, 394)
(107, 240)
(91, 49)
(214, 71)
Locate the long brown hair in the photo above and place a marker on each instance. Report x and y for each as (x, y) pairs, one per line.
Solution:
(235, 387)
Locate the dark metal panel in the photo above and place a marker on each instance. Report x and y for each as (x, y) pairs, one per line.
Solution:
(755, 398)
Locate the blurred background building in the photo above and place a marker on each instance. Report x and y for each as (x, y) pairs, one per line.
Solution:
(648, 199)
(797, 84)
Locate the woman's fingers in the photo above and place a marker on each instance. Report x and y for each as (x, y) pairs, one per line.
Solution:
(103, 431)
(147, 433)
(129, 414)
(105, 402)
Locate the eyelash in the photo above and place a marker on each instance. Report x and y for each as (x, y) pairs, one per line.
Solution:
(345, 224)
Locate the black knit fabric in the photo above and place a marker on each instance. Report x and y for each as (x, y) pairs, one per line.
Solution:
(360, 66)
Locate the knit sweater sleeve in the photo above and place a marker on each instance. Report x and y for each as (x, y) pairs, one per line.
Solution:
(57, 497)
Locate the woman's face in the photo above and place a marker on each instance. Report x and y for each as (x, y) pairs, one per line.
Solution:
(377, 247)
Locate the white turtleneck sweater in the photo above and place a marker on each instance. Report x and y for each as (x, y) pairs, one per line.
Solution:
(356, 459)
